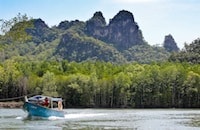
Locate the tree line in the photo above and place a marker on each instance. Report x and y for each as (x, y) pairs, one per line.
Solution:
(104, 84)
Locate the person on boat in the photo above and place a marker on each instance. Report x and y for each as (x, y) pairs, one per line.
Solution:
(60, 106)
(46, 102)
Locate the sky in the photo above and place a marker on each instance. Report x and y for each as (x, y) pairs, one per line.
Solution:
(156, 18)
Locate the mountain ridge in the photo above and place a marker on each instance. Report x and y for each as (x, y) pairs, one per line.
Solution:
(118, 41)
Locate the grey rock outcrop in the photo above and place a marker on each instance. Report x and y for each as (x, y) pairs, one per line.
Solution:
(122, 31)
(169, 44)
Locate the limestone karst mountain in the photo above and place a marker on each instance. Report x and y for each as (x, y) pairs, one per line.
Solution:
(119, 41)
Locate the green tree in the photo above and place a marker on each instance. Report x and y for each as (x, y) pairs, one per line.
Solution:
(192, 90)
(15, 28)
(9, 76)
(49, 85)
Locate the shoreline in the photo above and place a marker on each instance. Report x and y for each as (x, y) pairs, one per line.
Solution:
(11, 104)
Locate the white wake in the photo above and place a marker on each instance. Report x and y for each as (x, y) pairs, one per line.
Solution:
(83, 115)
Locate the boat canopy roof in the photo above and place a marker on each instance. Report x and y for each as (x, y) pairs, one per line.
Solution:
(41, 97)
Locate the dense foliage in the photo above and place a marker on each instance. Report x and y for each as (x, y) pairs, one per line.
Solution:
(190, 54)
(100, 84)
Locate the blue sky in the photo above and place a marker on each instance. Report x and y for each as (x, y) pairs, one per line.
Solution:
(156, 18)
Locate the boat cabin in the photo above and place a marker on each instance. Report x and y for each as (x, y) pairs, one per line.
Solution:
(45, 101)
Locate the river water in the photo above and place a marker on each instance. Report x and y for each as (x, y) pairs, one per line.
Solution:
(104, 119)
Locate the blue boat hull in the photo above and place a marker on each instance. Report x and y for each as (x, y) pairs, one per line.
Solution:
(35, 110)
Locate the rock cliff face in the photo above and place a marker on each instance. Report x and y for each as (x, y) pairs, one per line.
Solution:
(41, 32)
(169, 44)
(96, 26)
(122, 31)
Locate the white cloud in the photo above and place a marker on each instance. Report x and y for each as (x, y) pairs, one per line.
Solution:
(134, 1)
